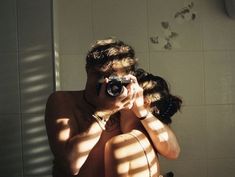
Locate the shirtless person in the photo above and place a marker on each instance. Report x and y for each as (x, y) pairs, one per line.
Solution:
(79, 123)
(75, 119)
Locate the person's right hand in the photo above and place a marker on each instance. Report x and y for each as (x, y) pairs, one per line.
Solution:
(111, 105)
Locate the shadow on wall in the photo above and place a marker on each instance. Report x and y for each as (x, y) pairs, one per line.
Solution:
(36, 85)
(37, 155)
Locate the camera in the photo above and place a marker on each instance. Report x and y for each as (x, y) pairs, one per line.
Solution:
(115, 85)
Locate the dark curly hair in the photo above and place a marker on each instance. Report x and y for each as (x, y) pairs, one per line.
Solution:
(163, 105)
(111, 54)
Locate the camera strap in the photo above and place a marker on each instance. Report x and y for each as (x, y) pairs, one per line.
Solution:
(102, 122)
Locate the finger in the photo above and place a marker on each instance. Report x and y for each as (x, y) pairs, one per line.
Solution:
(130, 89)
(128, 105)
(123, 95)
(128, 98)
(134, 96)
(131, 77)
(133, 93)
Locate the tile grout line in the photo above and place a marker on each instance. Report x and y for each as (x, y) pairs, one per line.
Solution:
(19, 81)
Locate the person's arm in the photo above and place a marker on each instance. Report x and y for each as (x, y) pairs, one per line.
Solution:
(69, 148)
(162, 136)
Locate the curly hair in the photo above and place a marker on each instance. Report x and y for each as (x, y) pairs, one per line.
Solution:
(163, 104)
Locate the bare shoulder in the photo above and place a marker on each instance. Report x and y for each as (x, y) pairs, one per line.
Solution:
(57, 97)
(60, 103)
(59, 115)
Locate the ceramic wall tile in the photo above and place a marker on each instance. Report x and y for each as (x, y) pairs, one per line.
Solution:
(189, 126)
(122, 20)
(8, 23)
(218, 28)
(75, 29)
(219, 77)
(143, 60)
(221, 167)
(184, 72)
(192, 168)
(36, 151)
(36, 80)
(73, 73)
(9, 78)
(35, 25)
(220, 131)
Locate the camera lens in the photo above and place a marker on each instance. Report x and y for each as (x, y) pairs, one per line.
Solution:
(114, 88)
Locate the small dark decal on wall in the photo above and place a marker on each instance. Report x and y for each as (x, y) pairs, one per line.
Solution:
(169, 38)
(186, 13)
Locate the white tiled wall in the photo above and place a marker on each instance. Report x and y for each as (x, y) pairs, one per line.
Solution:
(190, 126)
(220, 131)
(199, 68)
(184, 72)
(34, 26)
(26, 77)
(218, 29)
(36, 152)
(219, 77)
(36, 71)
(122, 19)
(8, 42)
(189, 32)
(76, 64)
(9, 96)
(75, 26)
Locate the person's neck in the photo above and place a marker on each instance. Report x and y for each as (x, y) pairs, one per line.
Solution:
(128, 121)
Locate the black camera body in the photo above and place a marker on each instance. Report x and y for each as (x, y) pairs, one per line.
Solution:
(114, 86)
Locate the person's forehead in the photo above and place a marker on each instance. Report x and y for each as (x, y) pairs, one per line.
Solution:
(111, 71)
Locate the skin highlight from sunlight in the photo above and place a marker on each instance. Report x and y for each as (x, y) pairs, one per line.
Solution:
(155, 125)
(163, 136)
(140, 154)
(87, 143)
(139, 161)
(65, 133)
(80, 161)
(122, 168)
(121, 151)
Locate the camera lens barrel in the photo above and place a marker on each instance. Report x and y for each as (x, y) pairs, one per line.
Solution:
(114, 87)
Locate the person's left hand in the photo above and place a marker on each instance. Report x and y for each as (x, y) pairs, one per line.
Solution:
(137, 101)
